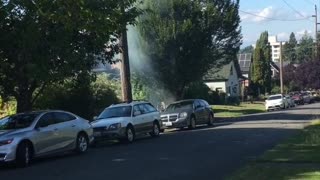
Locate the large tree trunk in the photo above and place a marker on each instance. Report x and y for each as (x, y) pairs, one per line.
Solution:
(24, 101)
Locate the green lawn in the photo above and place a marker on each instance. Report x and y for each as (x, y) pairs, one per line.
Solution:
(236, 111)
(297, 158)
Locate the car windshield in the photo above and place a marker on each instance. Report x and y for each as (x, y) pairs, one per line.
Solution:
(274, 97)
(18, 121)
(124, 111)
(180, 105)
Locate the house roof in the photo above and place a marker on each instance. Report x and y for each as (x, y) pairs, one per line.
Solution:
(276, 65)
(245, 61)
(223, 73)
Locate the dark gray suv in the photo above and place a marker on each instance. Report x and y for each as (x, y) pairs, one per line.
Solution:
(187, 113)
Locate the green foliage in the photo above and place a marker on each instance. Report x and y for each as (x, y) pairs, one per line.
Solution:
(7, 106)
(82, 95)
(305, 49)
(45, 41)
(289, 49)
(186, 38)
(261, 72)
(248, 49)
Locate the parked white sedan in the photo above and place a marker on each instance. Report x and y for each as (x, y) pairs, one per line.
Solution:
(277, 101)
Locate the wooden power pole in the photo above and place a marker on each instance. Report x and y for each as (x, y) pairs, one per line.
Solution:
(316, 55)
(281, 69)
(125, 65)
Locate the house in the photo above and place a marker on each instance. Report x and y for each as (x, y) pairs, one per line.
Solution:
(275, 67)
(225, 79)
(245, 62)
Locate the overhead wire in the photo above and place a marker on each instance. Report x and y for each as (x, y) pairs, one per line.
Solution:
(296, 11)
(274, 19)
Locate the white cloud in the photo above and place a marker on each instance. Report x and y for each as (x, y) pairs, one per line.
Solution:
(269, 13)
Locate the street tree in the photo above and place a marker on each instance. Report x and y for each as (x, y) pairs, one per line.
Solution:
(290, 49)
(184, 39)
(305, 48)
(261, 72)
(45, 41)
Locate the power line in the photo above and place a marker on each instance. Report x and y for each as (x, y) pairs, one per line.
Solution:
(291, 7)
(274, 19)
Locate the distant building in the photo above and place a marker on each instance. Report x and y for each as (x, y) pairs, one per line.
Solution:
(275, 48)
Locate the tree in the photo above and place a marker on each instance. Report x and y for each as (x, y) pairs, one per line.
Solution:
(305, 49)
(186, 38)
(290, 49)
(308, 75)
(261, 72)
(247, 49)
(45, 41)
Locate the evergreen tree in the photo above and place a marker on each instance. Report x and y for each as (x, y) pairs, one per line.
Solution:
(290, 49)
(261, 73)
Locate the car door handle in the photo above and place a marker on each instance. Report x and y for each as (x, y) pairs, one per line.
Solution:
(73, 125)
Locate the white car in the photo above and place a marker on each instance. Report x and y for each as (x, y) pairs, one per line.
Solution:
(125, 120)
(277, 101)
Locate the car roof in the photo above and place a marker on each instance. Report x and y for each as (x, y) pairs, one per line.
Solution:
(132, 103)
(275, 95)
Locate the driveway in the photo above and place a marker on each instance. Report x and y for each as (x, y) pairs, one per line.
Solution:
(203, 153)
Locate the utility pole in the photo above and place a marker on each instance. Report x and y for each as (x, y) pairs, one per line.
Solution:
(316, 32)
(281, 69)
(125, 65)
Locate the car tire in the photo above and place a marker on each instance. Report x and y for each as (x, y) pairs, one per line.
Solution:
(130, 135)
(192, 124)
(82, 143)
(24, 154)
(210, 120)
(155, 130)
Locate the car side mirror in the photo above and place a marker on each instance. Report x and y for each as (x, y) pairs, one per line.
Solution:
(137, 113)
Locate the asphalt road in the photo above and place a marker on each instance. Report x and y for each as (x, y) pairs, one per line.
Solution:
(200, 154)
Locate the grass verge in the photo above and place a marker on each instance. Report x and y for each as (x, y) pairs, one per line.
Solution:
(236, 111)
(297, 158)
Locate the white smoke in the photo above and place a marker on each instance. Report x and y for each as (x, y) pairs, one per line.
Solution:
(140, 62)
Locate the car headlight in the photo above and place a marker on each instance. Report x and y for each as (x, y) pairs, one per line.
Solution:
(5, 142)
(115, 126)
(183, 115)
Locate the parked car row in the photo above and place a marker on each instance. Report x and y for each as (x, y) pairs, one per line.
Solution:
(280, 101)
(31, 135)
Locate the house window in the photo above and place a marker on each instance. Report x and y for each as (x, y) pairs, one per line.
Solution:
(231, 70)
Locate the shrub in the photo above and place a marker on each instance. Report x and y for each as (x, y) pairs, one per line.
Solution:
(83, 96)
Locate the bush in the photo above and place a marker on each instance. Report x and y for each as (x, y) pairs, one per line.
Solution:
(233, 101)
(202, 91)
(83, 96)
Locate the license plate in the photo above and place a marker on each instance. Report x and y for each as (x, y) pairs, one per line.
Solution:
(167, 123)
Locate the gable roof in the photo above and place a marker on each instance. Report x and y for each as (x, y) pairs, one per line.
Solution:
(276, 65)
(222, 73)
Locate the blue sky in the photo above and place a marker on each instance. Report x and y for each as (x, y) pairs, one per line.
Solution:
(252, 26)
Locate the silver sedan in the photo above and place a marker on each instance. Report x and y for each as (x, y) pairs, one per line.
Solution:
(30, 135)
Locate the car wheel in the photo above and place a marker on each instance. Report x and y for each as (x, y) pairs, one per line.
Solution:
(24, 154)
(211, 119)
(130, 134)
(155, 130)
(192, 124)
(82, 143)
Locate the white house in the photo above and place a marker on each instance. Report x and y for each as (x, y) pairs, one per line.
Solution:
(225, 79)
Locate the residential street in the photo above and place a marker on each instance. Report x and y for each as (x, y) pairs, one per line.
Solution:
(204, 153)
